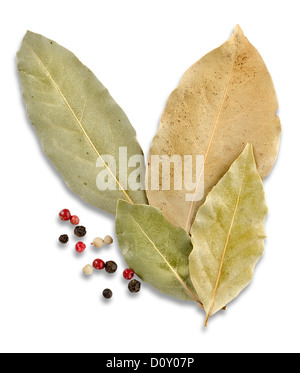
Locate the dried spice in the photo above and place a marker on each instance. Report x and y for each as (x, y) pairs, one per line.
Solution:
(87, 270)
(97, 242)
(226, 250)
(80, 231)
(134, 286)
(98, 264)
(128, 273)
(80, 247)
(110, 266)
(107, 293)
(108, 240)
(74, 220)
(65, 215)
(72, 140)
(224, 101)
(197, 250)
(156, 251)
(64, 238)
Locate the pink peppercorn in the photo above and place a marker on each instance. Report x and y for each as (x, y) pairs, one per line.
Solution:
(65, 215)
(98, 264)
(74, 220)
(128, 274)
(80, 247)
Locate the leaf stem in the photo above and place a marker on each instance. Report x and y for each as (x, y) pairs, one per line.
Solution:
(200, 304)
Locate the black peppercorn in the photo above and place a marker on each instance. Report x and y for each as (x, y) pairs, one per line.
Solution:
(107, 293)
(63, 238)
(80, 231)
(134, 286)
(110, 266)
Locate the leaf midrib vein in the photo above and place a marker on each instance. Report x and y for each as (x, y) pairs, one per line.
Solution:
(211, 140)
(225, 248)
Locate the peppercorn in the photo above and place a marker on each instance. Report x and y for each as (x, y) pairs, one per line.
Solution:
(80, 231)
(64, 238)
(134, 286)
(107, 293)
(74, 220)
(98, 242)
(128, 274)
(98, 264)
(108, 240)
(87, 270)
(80, 247)
(110, 266)
(65, 215)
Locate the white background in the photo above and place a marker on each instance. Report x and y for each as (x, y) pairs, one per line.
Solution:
(139, 50)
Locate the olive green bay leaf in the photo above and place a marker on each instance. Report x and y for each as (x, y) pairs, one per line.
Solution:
(155, 250)
(228, 235)
(76, 119)
(224, 101)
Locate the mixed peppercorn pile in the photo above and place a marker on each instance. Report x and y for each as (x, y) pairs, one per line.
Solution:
(98, 264)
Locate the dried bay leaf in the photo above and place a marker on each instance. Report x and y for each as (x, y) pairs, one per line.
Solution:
(76, 119)
(155, 250)
(224, 101)
(228, 235)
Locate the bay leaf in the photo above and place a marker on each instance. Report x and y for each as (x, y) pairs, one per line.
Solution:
(224, 101)
(155, 250)
(228, 235)
(77, 121)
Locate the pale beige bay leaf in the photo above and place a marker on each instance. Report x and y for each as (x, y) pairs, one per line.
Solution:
(76, 119)
(156, 251)
(224, 101)
(228, 235)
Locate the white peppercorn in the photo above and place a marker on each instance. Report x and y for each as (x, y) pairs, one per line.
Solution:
(108, 240)
(87, 270)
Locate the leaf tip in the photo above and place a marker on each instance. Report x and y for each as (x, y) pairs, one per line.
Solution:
(238, 30)
(250, 152)
(28, 34)
(249, 147)
(237, 33)
(121, 204)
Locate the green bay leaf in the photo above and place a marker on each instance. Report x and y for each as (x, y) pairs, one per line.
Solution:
(228, 235)
(77, 120)
(155, 250)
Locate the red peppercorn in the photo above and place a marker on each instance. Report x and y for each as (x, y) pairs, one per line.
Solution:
(80, 247)
(65, 215)
(128, 274)
(74, 220)
(98, 264)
